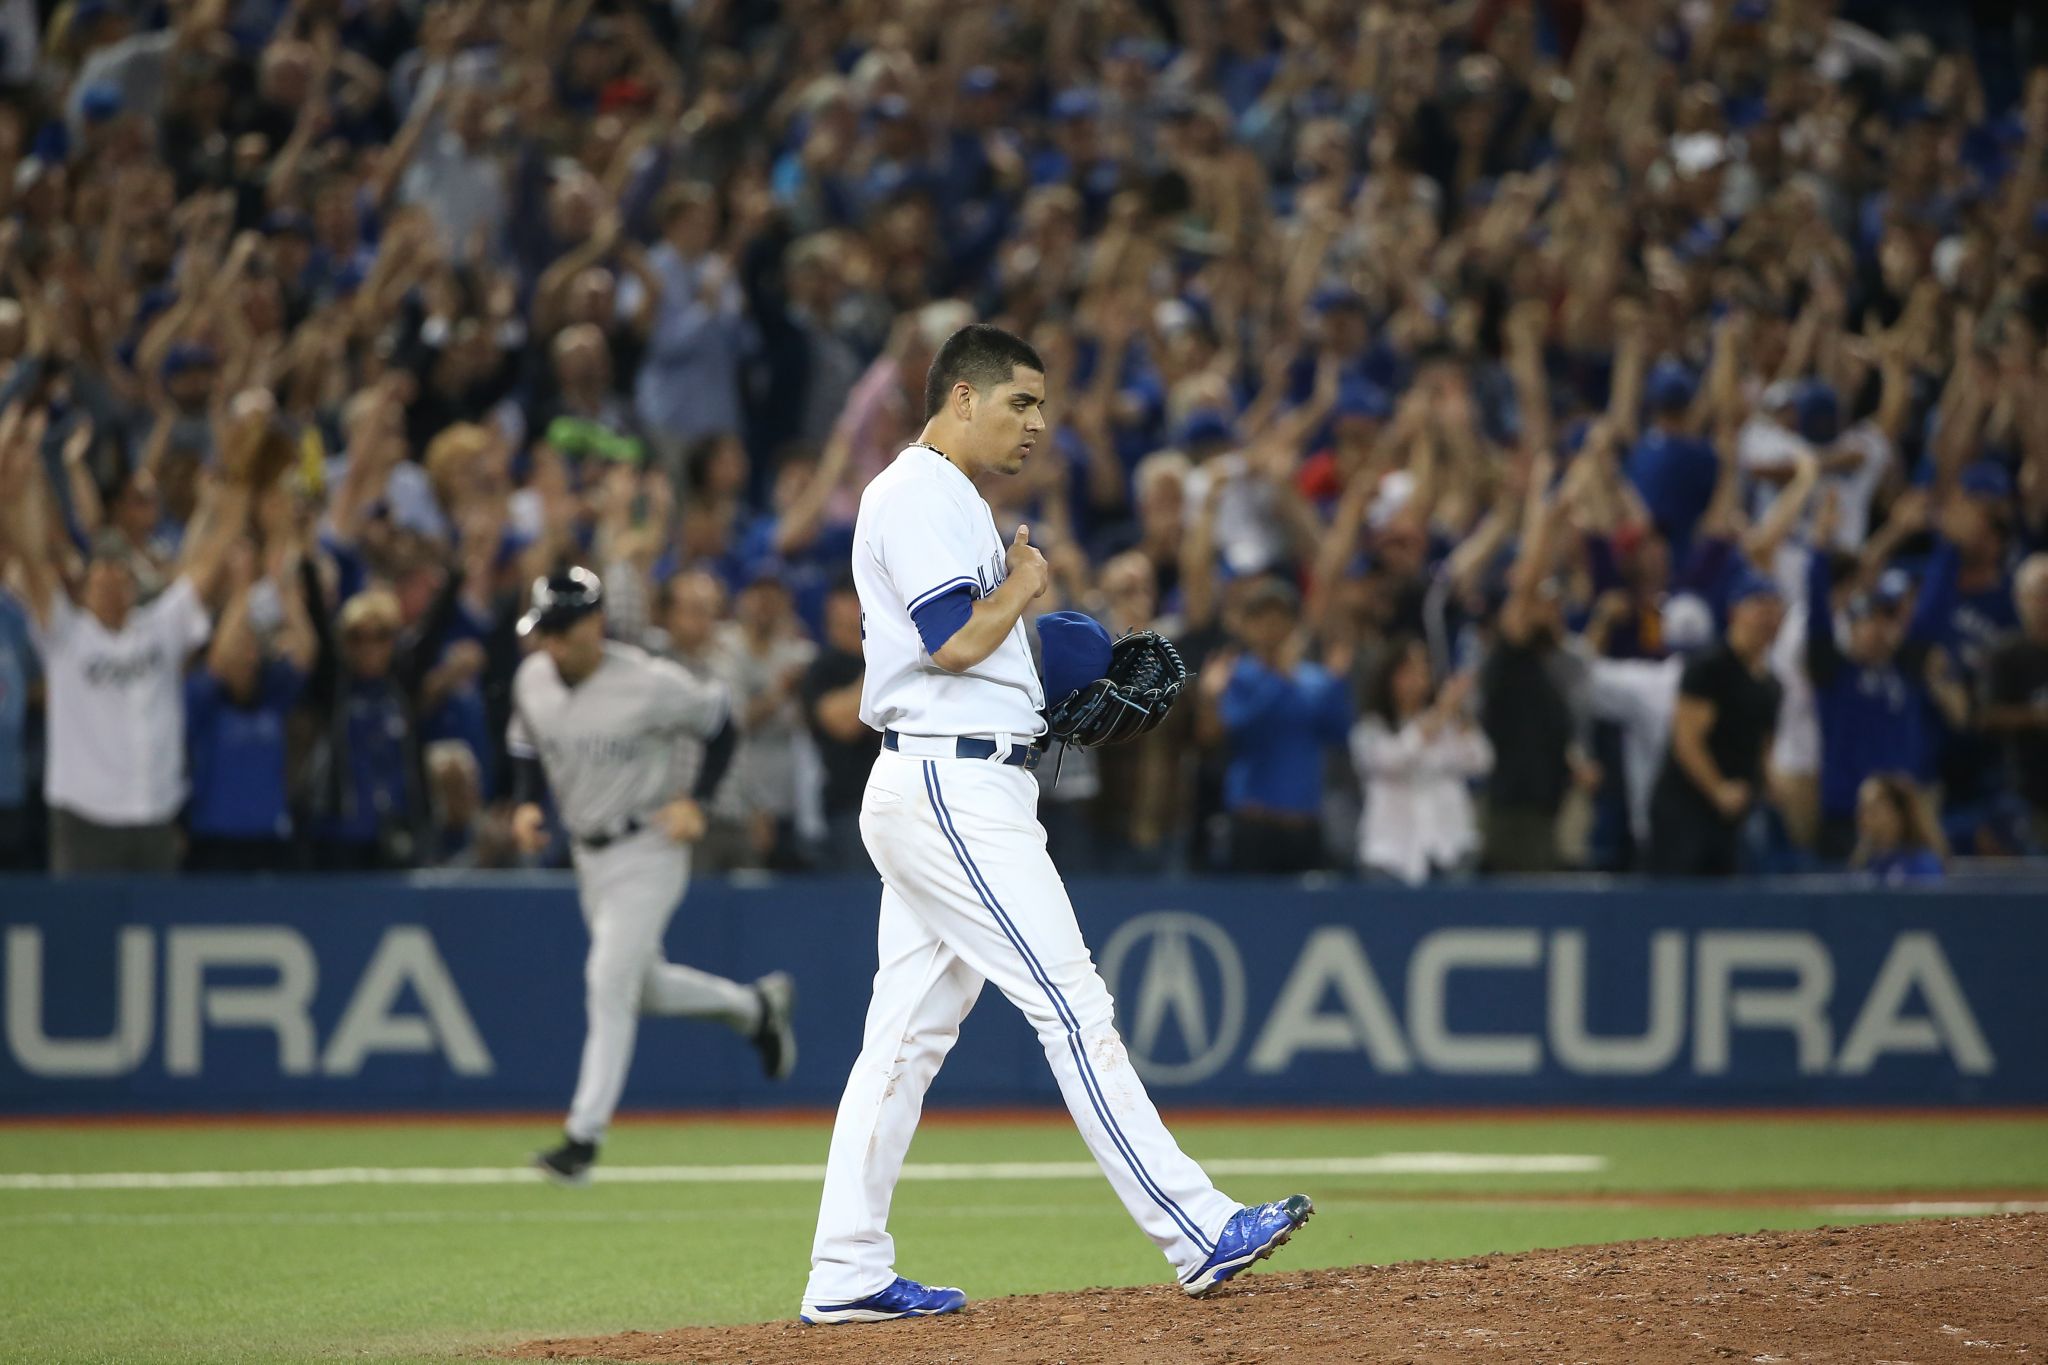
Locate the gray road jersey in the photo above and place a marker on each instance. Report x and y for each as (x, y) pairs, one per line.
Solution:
(614, 745)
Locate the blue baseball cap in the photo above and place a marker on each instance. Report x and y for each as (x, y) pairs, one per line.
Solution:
(1671, 385)
(51, 145)
(1987, 479)
(979, 80)
(1699, 242)
(1749, 583)
(100, 101)
(1333, 297)
(1363, 399)
(189, 355)
(1205, 424)
(153, 302)
(1074, 651)
(1078, 103)
(1892, 588)
(1820, 411)
(763, 569)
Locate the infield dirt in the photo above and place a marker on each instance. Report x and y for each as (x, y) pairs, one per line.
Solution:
(1972, 1289)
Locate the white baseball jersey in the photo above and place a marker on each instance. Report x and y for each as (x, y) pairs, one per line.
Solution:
(924, 531)
(1640, 696)
(117, 707)
(1765, 444)
(611, 745)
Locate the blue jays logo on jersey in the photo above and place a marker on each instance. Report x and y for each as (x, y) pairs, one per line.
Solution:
(988, 577)
(1888, 684)
(1976, 634)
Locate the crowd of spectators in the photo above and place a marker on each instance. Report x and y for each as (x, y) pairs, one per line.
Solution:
(1568, 433)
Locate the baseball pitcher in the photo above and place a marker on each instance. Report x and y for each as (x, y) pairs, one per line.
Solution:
(969, 893)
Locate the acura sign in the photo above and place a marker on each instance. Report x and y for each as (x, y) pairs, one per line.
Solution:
(1180, 984)
(387, 994)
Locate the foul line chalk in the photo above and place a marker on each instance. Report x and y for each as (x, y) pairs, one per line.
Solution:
(1390, 1163)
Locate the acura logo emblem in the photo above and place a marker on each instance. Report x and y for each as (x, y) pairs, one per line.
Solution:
(1179, 985)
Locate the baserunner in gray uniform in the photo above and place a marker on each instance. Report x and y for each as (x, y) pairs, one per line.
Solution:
(612, 730)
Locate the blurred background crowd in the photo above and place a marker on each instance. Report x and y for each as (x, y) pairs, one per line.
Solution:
(1563, 434)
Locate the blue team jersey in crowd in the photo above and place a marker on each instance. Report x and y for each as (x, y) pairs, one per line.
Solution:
(1904, 867)
(237, 755)
(1873, 718)
(1675, 474)
(1279, 726)
(1968, 624)
(375, 757)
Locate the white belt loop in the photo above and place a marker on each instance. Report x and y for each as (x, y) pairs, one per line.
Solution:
(1001, 753)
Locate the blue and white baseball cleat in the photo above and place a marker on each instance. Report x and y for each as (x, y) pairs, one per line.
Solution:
(1250, 1235)
(903, 1299)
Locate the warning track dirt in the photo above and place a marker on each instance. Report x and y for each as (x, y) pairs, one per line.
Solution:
(1972, 1289)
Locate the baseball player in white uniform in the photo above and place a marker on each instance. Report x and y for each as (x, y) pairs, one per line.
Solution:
(969, 893)
(611, 729)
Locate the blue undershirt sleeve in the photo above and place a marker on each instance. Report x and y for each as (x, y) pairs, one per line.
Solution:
(941, 617)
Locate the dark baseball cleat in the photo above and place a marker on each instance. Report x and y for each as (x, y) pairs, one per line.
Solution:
(1250, 1235)
(775, 1035)
(568, 1164)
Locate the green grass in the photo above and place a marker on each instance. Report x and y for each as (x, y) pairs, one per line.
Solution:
(429, 1273)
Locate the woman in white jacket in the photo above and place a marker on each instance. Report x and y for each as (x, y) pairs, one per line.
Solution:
(1415, 754)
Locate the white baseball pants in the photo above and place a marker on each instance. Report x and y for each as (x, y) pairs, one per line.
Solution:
(970, 894)
(628, 892)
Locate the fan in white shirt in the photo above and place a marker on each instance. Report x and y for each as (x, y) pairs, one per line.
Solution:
(1641, 695)
(1801, 417)
(1414, 755)
(116, 775)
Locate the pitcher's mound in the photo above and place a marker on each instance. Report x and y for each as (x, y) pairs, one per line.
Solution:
(1971, 1289)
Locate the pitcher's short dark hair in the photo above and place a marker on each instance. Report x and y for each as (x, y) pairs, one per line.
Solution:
(982, 355)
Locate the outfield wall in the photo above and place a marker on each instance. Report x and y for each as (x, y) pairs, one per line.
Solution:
(361, 994)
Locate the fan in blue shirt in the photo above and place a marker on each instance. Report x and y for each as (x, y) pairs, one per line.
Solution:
(236, 704)
(1966, 607)
(1674, 470)
(1280, 717)
(1874, 695)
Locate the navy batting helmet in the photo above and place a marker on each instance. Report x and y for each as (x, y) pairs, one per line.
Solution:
(560, 600)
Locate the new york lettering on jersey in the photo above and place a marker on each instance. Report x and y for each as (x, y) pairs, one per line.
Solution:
(617, 747)
(613, 745)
